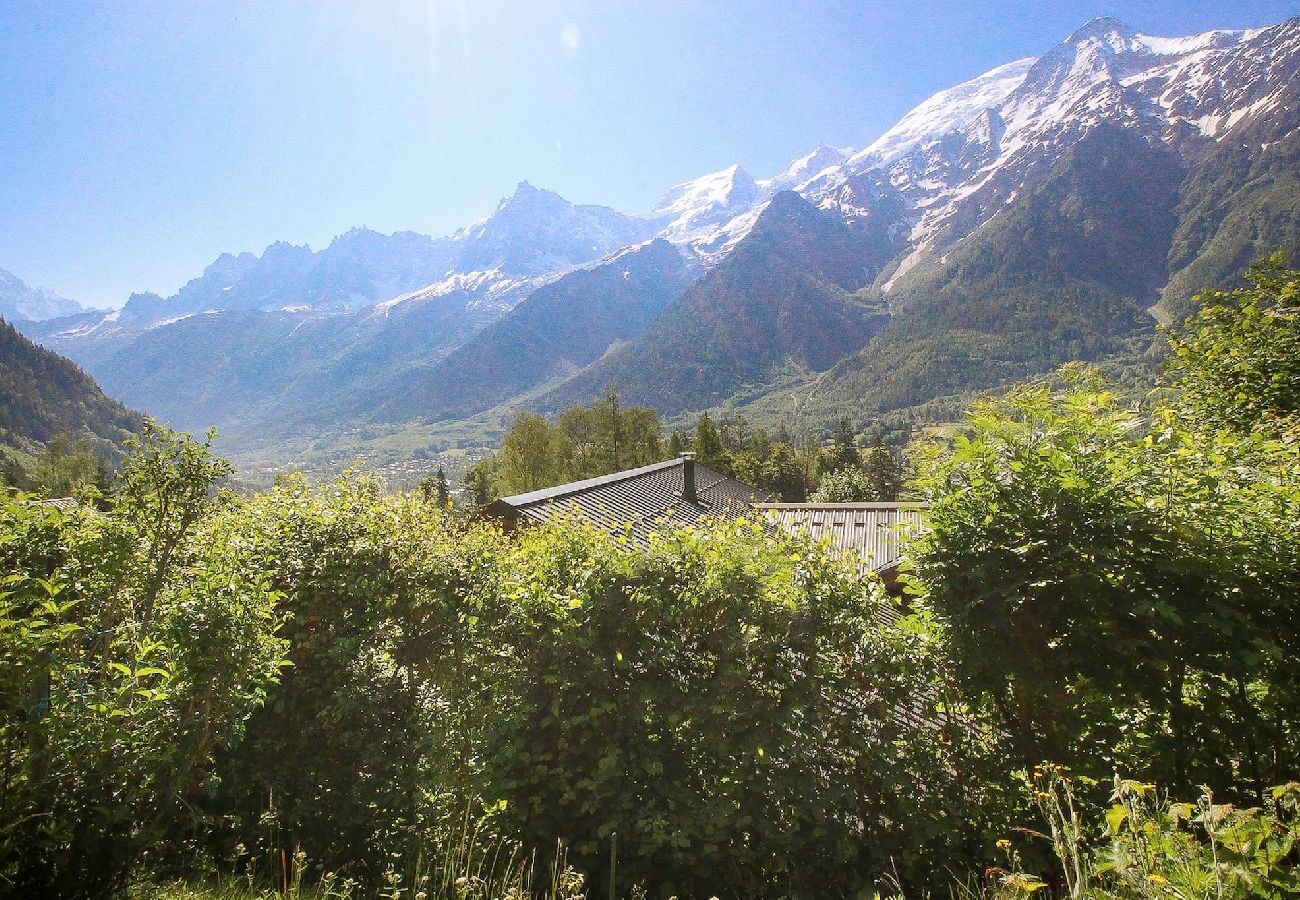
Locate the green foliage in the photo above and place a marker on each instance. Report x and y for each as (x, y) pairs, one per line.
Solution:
(534, 454)
(886, 470)
(849, 475)
(748, 711)
(359, 757)
(1117, 589)
(132, 654)
(708, 445)
(574, 687)
(1163, 849)
(66, 466)
(1151, 848)
(773, 466)
(609, 437)
(583, 442)
(843, 452)
(847, 485)
(1237, 361)
(436, 490)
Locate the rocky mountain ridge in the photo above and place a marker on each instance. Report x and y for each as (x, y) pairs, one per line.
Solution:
(20, 303)
(1023, 218)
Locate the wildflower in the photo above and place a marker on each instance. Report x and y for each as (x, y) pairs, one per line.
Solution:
(1004, 844)
(1157, 879)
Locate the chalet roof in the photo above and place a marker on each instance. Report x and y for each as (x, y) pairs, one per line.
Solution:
(872, 533)
(644, 500)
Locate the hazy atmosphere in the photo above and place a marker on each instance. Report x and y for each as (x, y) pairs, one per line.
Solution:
(140, 140)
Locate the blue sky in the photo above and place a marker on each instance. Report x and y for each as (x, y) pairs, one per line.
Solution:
(139, 140)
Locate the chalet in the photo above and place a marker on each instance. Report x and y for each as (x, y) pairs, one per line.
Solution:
(682, 492)
(871, 535)
(658, 497)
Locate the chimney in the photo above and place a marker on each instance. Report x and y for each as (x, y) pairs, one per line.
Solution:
(688, 478)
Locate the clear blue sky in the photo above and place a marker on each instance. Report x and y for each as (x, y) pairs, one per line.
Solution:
(138, 140)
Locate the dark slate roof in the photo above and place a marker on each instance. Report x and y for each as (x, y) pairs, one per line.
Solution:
(647, 499)
(873, 534)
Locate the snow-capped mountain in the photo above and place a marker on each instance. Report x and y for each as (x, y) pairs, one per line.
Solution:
(966, 152)
(695, 211)
(1030, 215)
(805, 168)
(533, 236)
(948, 111)
(18, 302)
(535, 231)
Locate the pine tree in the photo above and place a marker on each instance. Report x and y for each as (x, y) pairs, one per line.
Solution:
(883, 468)
(442, 491)
(708, 445)
(677, 445)
(843, 452)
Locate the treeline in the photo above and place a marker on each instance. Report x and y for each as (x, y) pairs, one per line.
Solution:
(340, 688)
(64, 465)
(607, 436)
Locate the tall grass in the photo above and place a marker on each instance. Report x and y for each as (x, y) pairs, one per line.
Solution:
(473, 865)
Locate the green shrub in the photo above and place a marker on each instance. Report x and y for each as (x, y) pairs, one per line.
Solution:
(726, 704)
(129, 658)
(1150, 848)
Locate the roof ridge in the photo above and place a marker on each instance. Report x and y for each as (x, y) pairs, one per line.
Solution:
(888, 504)
(574, 487)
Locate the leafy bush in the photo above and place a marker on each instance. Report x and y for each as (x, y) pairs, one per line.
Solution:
(1119, 589)
(1151, 848)
(130, 656)
(727, 704)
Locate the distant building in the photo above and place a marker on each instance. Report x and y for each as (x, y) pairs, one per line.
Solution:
(658, 497)
(871, 535)
(682, 492)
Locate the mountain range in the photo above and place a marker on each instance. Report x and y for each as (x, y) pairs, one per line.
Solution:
(20, 303)
(1051, 209)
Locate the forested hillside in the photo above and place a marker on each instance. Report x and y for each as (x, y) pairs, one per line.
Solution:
(1064, 273)
(44, 397)
(1236, 205)
(784, 298)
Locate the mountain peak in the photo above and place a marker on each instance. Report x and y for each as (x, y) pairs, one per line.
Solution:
(283, 249)
(357, 236)
(530, 198)
(808, 166)
(708, 200)
(944, 112)
(18, 301)
(1100, 27)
